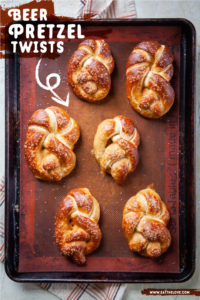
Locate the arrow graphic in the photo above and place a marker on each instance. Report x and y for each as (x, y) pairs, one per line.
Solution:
(49, 87)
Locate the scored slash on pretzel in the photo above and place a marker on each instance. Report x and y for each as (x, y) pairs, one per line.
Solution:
(50, 87)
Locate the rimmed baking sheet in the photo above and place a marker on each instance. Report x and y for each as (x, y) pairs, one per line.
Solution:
(160, 163)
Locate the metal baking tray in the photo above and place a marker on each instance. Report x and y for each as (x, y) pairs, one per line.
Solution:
(166, 159)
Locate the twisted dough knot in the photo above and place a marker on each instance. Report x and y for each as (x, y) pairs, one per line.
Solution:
(148, 72)
(89, 70)
(145, 218)
(76, 230)
(50, 139)
(115, 147)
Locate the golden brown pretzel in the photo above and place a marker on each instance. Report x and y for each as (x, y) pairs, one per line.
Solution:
(89, 70)
(77, 231)
(50, 139)
(148, 72)
(120, 157)
(145, 218)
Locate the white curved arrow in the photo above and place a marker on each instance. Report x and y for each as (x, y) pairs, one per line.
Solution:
(50, 87)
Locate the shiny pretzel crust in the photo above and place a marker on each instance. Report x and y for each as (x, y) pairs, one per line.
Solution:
(145, 217)
(120, 157)
(89, 70)
(50, 139)
(149, 70)
(77, 231)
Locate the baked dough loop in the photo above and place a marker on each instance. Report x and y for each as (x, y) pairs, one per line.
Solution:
(145, 218)
(77, 231)
(89, 70)
(115, 147)
(148, 72)
(50, 139)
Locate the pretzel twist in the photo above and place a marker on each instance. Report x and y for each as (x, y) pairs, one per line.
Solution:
(148, 72)
(115, 147)
(89, 70)
(145, 218)
(50, 139)
(77, 231)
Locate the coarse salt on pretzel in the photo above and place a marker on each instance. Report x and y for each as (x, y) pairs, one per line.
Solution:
(145, 219)
(77, 231)
(116, 147)
(89, 70)
(49, 144)
(149, 70)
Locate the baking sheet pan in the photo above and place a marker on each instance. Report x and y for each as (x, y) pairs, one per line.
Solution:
(163, 161)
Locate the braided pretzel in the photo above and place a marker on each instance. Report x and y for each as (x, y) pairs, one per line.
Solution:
(50, 139)
(89, 70)
(77, 231)
(145, 218)
(148, 72)
(120, 157)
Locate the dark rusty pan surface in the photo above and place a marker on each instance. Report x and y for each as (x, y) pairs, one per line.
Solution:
(164, 159)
